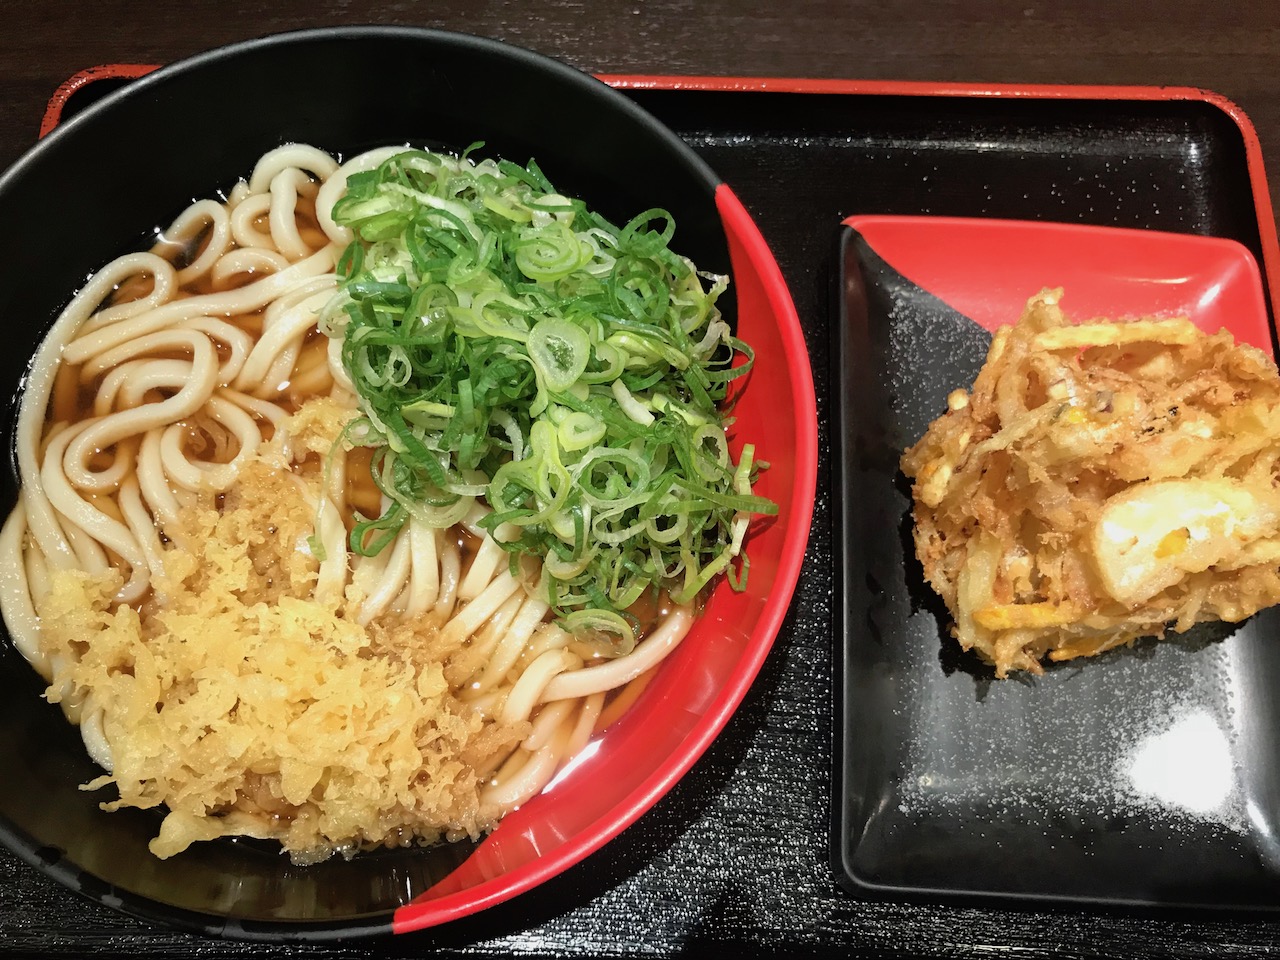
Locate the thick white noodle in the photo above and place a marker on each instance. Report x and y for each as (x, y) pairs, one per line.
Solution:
(164, 282)
(450, 571)
(280, 333)
(124, 387)
(156, 491)
(252, 296)
(238, 342)
(548, 719)
(332, 579)
(95, 738)
(527, 691)
(107, 479)
(246, 261)
(264, 410)
(391, 577)
(199, 476)
(143, 526)
(244, 221)
(465, 622)
(176, 338)
(468, 660)
(483, 566)
(504, 658)
(424, 575)
(512, 790)
(104, 529)
(41, 518)
(89, 553)
(208, 217)
(37, 573)
(648, 653)
(15, 594)
(196, 392)
(301, 156)
(286, 187)
(586, 725)
(336, 184)
(336, 369)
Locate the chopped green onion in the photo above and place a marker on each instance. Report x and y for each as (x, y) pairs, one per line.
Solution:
(506, 342)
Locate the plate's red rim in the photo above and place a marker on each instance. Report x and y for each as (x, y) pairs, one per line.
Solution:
(1262, 336)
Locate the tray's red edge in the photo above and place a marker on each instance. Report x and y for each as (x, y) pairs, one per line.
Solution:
(108, 71)
(910, 88)
(907, 88)
(1253, 148)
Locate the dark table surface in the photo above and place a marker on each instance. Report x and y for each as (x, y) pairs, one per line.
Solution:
(680, 882)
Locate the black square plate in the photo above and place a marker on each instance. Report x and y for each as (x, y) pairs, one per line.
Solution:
(1149, 775)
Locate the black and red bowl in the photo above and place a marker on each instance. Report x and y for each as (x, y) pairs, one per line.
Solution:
(99, 186)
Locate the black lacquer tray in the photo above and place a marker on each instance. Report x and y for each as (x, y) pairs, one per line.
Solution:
(745, 854)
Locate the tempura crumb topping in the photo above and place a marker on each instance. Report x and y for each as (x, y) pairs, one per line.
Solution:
(248, 708)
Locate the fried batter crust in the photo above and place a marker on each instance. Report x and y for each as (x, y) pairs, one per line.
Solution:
(1100, 482)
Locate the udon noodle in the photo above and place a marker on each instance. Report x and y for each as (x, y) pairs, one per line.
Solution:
(178, 568)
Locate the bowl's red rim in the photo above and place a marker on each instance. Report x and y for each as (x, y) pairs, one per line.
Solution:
(799, 511)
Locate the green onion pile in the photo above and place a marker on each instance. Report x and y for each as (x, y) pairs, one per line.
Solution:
(507, 343)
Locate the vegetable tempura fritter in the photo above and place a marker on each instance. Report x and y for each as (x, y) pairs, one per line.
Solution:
(1100, 482)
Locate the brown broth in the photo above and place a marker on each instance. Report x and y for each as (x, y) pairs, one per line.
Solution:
(362, 494)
